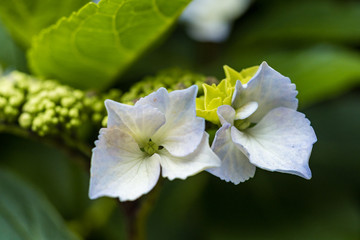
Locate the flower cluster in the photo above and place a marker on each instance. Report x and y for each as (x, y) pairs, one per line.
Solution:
(47, 107)
(161, 134)
(262, 128)
(161, 131)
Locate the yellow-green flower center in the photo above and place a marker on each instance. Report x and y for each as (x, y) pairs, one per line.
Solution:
(150, 148)
(242, 124)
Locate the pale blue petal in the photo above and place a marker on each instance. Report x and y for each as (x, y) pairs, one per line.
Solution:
(183, 131)
(235, 166)
(238, 95)
(246, 110)
(182, 167)
(120, 169)
(269, 89)
(159, 99)
(282, 141)
(113, 114)
(226, 114)
(142, 120)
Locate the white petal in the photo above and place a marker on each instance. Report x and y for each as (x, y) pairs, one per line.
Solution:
(226, 114)
(120, 169)
(282, 141)
(183, 131)
(142, 120)
(269, 89)
(113, 115)
(237, 98)
(235, 166)
(182, 167)
(246, 110)
(158, 99)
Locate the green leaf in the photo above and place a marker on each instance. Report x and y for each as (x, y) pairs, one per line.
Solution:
(26, 214)
(320, 72)
(94, 45)
(25, 18)
(304, 21)
(10, 54)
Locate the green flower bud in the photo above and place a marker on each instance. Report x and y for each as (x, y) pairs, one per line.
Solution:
(3, 102)
(64, 112)
(16, 100)
(67, 101)
(104, 121)
(78, 94)
(97, 117)
(74, 113)
(74, 122)
(25, 120)
(98, 106)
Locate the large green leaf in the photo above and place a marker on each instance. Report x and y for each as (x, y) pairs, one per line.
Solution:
(94, 45)
(26, 214)
(10, 55)
(25, 18)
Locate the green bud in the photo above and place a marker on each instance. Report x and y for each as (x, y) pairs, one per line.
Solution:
(98, 106)
(104, 121)
(97, 117)
(78, 94)
(16, 100)
(64, 112)
(3, 102)
(74, 122)
(67, 101)
(36, 124)
(45, 129)
(74, 113)
(49, 104)
(25, 120)
(54, 120)
(9, 110)
(78, 105)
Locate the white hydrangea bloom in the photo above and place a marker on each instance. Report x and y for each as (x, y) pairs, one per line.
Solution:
(263, 129)
(160, 132)
(210, 20)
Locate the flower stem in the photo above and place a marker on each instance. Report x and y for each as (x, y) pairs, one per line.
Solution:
(137, 213)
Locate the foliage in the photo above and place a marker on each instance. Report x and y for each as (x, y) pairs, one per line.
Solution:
(10, 55)
(26, 18)
(94, 45)
(26, 214)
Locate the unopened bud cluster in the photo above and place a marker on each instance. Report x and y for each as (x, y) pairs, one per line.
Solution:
(171, 79)
(47, 107)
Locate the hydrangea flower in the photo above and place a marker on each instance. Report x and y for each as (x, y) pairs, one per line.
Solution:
(262, 129)
(160, 133)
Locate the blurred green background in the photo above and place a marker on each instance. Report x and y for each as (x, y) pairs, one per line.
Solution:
(317, 45)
